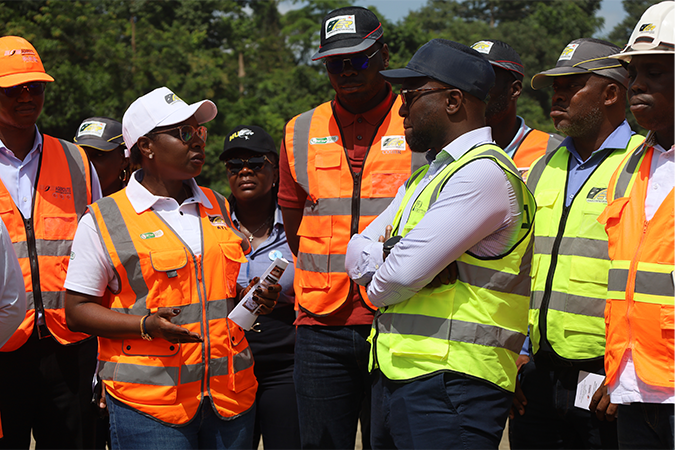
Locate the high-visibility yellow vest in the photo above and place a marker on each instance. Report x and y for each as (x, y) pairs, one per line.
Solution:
(570, 262)
(340, 204)
(156, 269)
(475, 326)
(42, 243)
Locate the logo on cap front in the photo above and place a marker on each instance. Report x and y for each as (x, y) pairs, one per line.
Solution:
(91, 129)
(567, 54)
(647, 28)
(243, 133)
(483, 47)
(172, 98)
(340, 24)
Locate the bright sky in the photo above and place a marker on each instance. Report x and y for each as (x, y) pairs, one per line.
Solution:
(395, 10)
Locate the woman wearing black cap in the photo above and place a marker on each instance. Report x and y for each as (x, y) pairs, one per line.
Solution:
(252, 168)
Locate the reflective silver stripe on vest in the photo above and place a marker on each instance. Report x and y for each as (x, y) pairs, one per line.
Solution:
(77, 175)
(626, 174)
(495, 280)
(134, 373)
(571, 246)
(343, 206)
(301, 147)
(617, 280)
(243, 360)
(553, 143)
(124, 247)
(44, 248)
(575, 304)
(223, 210)
(190, 373)
(649, 283)
(453, 330)
(192, 313)
(314, 262)
(534, 175)
(50, 300)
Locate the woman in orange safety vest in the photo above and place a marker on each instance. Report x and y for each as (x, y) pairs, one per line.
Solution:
(153, 274)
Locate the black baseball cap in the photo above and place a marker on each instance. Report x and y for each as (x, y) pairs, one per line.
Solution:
(348, 30)
(451, 63)
(248, 137)
(585, 55)
(500, 54)
(101, 133)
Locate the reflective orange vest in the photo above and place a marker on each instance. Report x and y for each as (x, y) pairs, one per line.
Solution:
(535, 144)
(42, 243)
(156, 269)
(639, 310)
(340, 203)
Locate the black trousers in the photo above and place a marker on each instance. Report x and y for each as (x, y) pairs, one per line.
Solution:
(46, 387)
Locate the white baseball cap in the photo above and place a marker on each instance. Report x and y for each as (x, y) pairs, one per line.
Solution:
(159, 108)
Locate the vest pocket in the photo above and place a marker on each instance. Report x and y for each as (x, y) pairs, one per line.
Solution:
(667, 320)
(59, 226)
(314, 252)
(233, 257)
(172, 288)
(544, 225)
(386, 184)
(148, 373)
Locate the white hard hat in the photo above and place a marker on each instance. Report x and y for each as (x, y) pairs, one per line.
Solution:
(653, 34)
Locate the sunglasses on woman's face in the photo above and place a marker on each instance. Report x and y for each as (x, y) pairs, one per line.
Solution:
(34, 88)
(255, 163)
(186, 132)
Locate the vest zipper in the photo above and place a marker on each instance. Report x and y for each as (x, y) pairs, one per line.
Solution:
(548, 289)
(40, 319)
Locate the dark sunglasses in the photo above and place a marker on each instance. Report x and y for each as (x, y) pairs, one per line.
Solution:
(404, 93)
(337, 65)
(34, 88)
(255, 163)
(186, 132)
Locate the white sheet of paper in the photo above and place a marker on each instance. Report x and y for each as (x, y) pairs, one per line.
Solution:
(587, 384)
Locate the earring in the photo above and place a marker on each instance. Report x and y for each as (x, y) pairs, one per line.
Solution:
(274, 185)
(123, 176)
(151, 155)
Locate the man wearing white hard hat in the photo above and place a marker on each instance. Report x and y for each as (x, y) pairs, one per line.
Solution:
(639, 223)
(153, 274)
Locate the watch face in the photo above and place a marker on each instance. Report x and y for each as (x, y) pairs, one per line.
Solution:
(391, 242)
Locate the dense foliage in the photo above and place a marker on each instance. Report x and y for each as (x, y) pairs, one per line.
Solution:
(252, 60)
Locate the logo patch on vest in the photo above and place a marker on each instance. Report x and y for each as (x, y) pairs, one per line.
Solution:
(393, 144)
(152, 234)
(418, 206)
(217, 221)
(597, 195)
(324, 140)
(57, 191)
(340, 24)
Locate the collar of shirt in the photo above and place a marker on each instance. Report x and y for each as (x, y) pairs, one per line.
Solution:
(141, 199)
(34, 152)
(373, 116)
(523, 129)
(457, 148)
(617, 139)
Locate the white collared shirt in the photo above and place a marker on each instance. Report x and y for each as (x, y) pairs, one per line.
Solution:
(89, 271)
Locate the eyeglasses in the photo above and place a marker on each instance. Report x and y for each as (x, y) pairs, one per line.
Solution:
(404, 92)
(359, 62)
(34, 88)
(186, 132)
(255, 163)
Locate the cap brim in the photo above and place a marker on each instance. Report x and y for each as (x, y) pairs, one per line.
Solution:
(543, 79)
(204, 111)
(98, 144)
(628, 55)
(252, 149)
(398, 75)
(21, 78)
(346, 47)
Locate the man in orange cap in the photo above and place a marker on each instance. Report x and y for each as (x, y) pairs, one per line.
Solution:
(45, 185)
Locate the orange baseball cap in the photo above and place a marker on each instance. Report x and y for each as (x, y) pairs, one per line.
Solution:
(19, 62)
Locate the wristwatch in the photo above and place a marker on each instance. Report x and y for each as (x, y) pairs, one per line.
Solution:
(390, 243)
